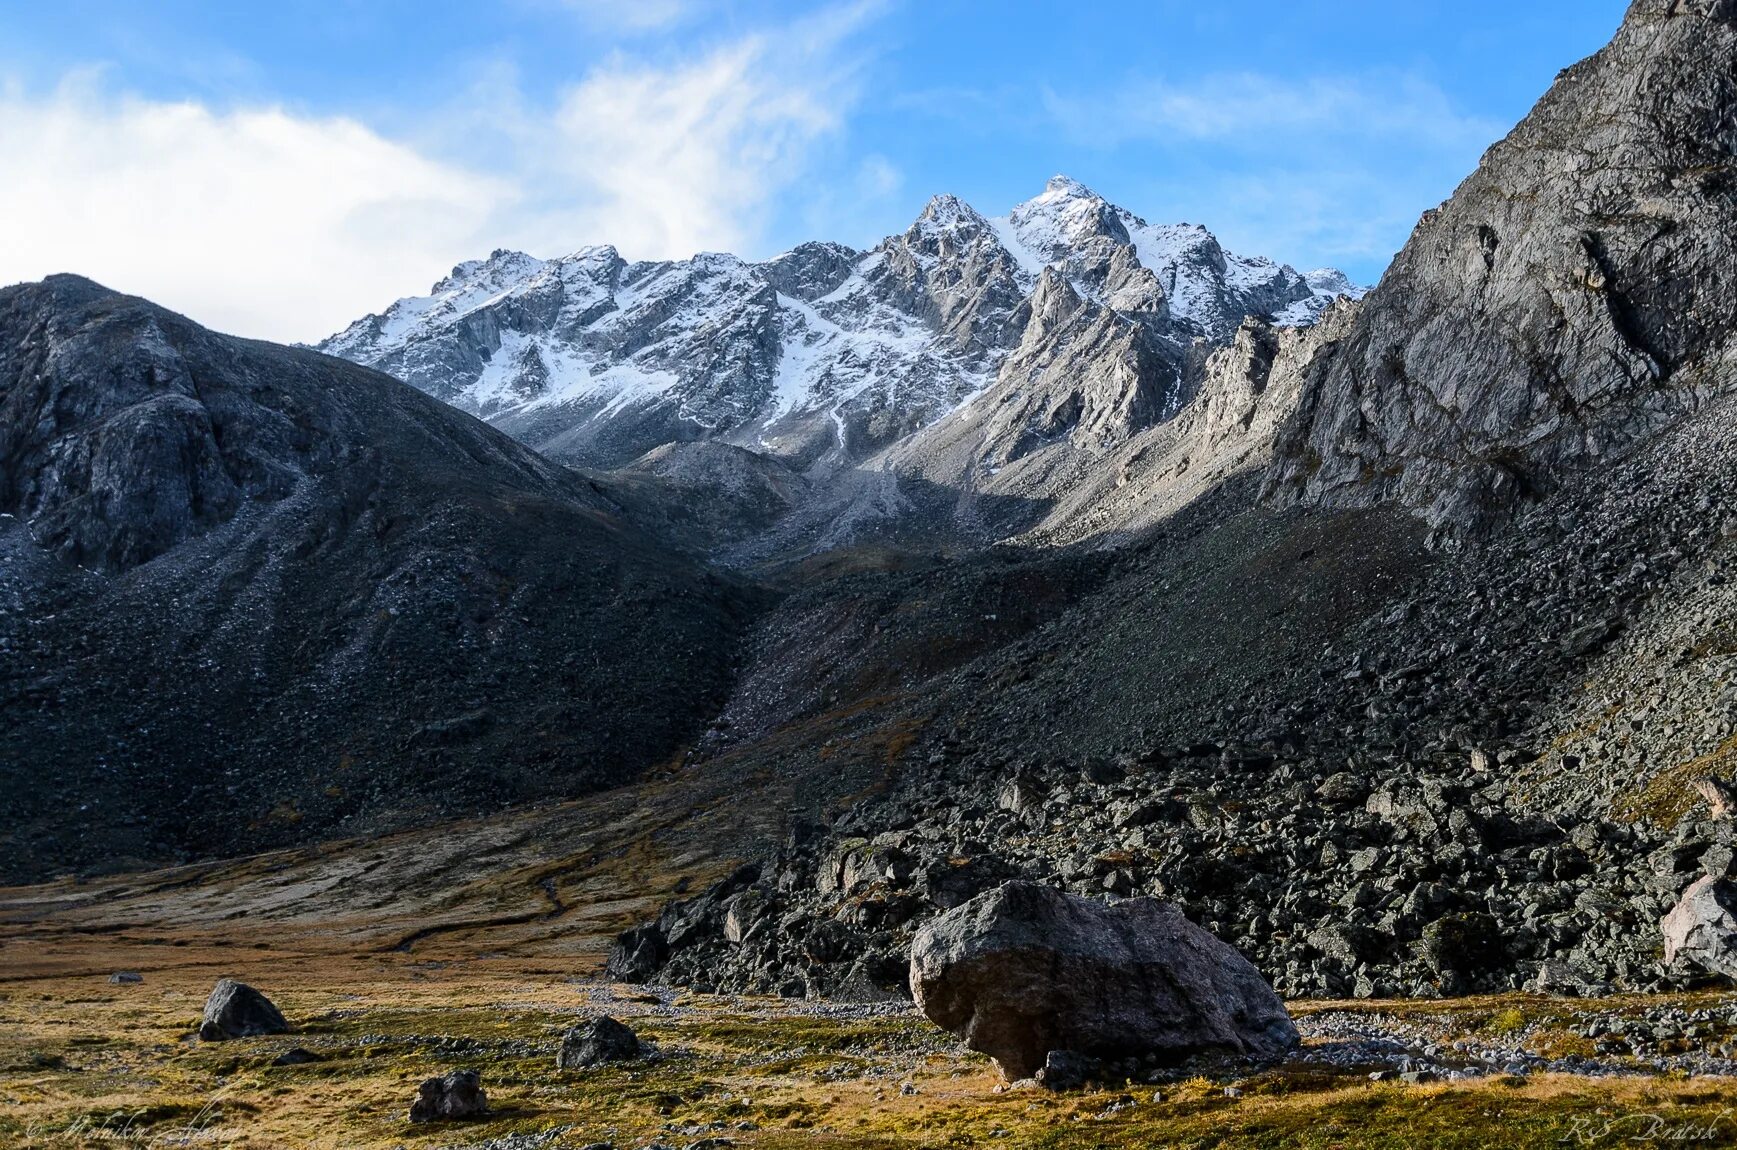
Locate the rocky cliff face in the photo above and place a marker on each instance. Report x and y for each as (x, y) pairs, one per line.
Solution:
(252, 595)
(1570, 300)
(824, 355)
(1081, 372)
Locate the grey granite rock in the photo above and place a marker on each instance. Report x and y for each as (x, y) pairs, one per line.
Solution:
(450, 1097)
(1026, 969)
(596, 1042)
(236, 1010)
(1701, 929)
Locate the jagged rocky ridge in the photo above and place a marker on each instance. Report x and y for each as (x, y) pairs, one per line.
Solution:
(1072, 321)
(1453, 769)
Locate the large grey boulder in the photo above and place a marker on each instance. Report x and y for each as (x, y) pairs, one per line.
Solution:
(1702, 928)
(236, 1010)
(1026, 969)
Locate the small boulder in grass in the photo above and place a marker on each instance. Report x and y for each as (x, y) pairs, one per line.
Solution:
(450, 1098)
(126, 977)
(236, 1010)
(597, 1042)
(1065, 1070)
(295, 1056)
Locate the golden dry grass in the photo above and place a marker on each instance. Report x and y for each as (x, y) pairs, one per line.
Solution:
(473, 945)
(1668, 797)
(87, 1063)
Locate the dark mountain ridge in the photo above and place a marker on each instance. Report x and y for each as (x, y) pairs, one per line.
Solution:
(254, 595)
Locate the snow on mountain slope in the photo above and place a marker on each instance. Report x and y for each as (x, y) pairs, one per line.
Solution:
(820, 354)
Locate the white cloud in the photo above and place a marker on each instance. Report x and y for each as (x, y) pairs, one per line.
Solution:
(667, 161)
(270, 223)
(255, 221)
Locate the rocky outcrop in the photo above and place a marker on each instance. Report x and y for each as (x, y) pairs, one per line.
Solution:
(236, 1010)
(1701, 930)
(950, 269)
(1570, 300)
(596, 1042)
(1082, 374)
(1026, 969)
(641, 951)
(1144, 470)
(450, 1098)
(1251, 387)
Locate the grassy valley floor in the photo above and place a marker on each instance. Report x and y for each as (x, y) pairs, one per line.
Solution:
(87, 1063)
(477, 945)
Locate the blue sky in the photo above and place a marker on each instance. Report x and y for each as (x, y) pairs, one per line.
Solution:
(278, 169)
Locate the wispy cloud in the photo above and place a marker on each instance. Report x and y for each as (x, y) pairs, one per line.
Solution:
(1330, 167)
(1251, 112)
(667, 160)
(273, 223)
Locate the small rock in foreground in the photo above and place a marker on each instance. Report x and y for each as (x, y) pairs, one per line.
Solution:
(1026, 969)
(295, 1057)
(126, 976)
(450, 1097)
(236, 1010)
(596, 1042)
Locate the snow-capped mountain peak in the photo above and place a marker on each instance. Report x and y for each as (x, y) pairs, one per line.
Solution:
(820, 351)
(946, 212)
(1064, 218)
(1332, 281)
